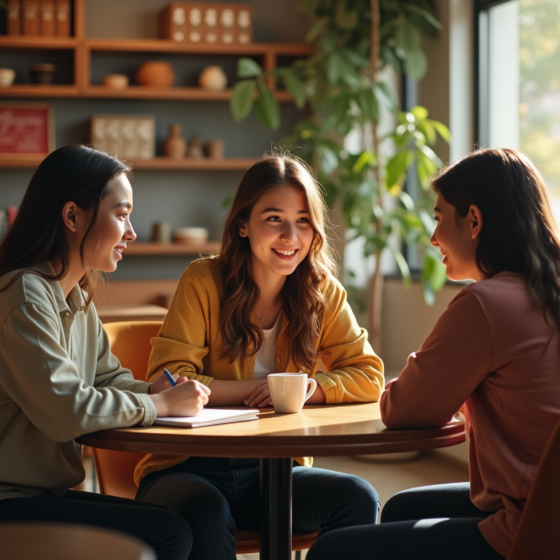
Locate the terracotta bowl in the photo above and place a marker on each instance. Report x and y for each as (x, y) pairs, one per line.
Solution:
(115, 81)
(156, 73)
(7, 76)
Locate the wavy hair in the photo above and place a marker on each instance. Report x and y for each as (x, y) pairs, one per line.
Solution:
(71, 173)
(303, 299)
(520, 233)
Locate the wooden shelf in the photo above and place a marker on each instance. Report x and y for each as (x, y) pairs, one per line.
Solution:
(179, 93)
(193, 164)
(37, 90)
(30, 42)
(156, 164)
(146, 248)
(171, 47)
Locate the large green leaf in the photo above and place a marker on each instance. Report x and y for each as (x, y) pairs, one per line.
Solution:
(441, 129)
(408, 37)
(335, 68)
(242, 99)
(248, 68)
(425, 168)
(420, 113)
(316, 29)
(403, 266)
(296, 88)
(267, 107)
(416, 64)
(396, 168)
(424, 14)
(343, 19)
(385, 95)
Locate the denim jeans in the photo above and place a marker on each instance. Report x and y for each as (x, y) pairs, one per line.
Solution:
(218, 496)
(430, 523)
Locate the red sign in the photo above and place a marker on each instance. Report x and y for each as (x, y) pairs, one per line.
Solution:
(25, 129)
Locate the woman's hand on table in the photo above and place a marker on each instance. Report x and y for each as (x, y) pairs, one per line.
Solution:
(260, 396)
(187, 398)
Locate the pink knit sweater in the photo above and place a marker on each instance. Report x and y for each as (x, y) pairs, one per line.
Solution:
(493, 351)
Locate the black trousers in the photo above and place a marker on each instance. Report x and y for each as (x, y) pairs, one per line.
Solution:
(430, 523)
(166, 532)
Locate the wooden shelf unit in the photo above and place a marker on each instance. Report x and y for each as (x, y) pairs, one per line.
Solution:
(155, 249)
(155, 164)
(83, 48)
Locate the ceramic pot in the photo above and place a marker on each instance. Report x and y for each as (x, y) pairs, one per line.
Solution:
(190, 235)
(175, 146)
(7, 76)
(42, 73)
(157, 73)
(213, 78)
(115, 81)
(214, 149)
(195, 148)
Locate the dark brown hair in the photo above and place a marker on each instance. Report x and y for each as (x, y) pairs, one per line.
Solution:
(519, 233)
(303, 300)
(72, 173)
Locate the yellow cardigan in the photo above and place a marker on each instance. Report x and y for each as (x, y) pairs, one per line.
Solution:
(190, 342)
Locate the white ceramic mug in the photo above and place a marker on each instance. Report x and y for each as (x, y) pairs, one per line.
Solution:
(289, 391)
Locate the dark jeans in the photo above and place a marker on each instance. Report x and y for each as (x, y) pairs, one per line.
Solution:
(429, 523)
(219, 496)
(163, 530)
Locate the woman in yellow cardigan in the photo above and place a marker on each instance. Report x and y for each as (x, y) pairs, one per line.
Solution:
(269, 302)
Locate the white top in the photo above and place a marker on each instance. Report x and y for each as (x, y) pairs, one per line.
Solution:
(265, 358)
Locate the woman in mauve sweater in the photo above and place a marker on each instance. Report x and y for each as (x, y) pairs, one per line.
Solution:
(495, 350)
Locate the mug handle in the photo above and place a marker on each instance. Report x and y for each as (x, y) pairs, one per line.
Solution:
(312, 390)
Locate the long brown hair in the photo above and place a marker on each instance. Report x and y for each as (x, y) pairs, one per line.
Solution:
(71, 173)
(520, 233)
(303, 299)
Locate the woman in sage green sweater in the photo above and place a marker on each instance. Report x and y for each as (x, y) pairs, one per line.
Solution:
(58, 378)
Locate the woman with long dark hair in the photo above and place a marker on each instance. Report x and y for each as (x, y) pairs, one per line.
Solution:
(58, 378)
(267, 303)
(496, 349)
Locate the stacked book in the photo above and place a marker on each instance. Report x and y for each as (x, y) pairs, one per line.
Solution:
(49, 18)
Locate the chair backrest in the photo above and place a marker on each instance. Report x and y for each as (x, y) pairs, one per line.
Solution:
(538, 533)
(130, 343)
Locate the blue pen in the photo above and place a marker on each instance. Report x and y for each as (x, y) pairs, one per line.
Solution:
(169, 378)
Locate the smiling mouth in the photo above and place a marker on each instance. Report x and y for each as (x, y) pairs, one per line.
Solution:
(285, 253)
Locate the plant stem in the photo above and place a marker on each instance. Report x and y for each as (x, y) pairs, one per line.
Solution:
(376, 286)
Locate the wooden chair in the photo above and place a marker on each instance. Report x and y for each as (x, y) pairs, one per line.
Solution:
(538, 534)
(130, 342)
(66, 541)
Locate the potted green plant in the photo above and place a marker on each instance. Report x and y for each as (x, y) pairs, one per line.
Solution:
(341, 82)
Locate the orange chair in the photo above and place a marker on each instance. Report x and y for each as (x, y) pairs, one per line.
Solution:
(130, 342)
(537, 535)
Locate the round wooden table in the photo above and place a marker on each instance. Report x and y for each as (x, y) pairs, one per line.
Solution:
(319, 430)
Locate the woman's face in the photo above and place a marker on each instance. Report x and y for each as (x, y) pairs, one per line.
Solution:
(107, 240)
(279, 231)
(457, 239)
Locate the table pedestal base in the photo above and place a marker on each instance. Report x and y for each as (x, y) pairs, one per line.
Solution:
(276, 509)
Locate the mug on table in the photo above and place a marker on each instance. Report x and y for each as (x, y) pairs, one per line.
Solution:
(289, 391)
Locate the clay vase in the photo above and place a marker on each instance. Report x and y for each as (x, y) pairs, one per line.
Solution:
(213, 78)
(155, 73)
(175, 146)
(214, 149)
(195, 149)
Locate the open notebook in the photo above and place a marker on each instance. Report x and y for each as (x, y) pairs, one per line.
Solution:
(209, 417)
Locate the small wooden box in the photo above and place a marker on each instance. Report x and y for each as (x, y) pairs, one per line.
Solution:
(125, 136)
(207, 23)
